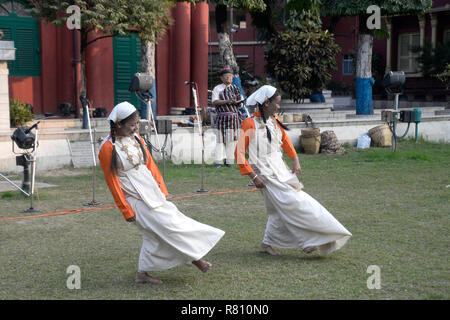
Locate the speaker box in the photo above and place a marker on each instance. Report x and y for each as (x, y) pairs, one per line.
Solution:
(164, 126)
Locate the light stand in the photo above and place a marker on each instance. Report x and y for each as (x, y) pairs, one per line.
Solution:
(32, 160)
(393, 83)
(26, 140)
(193, 86)
(141, 84)
(87, 116)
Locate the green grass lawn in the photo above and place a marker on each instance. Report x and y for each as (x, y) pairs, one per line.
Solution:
(395, 204)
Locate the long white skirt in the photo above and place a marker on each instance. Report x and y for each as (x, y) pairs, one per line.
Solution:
(169, 237)
(297, 220)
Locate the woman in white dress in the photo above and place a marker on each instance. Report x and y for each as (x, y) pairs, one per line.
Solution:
(169, 237)
(296, 220)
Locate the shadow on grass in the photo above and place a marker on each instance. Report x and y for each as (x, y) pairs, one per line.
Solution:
(254, 257)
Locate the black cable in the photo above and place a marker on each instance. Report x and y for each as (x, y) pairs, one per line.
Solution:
(147, 141)
(395, 134)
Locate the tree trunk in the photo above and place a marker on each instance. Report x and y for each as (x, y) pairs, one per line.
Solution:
(364, 80)
(226, 47)
(148, 66)
(227, 57)
(148, 58)
(83, 73)
(364, 59)
(226, 53)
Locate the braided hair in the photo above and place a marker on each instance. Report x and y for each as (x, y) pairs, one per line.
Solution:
(263, 116)
(113, 129)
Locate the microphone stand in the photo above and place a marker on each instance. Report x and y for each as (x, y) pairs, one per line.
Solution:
(199, 121)
(86, 114)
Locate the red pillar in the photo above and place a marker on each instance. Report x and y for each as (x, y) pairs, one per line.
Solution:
(100, 72)
(199, 50)
(65, 67)
(181, 55)
(49, 71)
(162, 75)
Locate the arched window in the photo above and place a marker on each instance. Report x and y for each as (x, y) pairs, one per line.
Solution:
(18, 25)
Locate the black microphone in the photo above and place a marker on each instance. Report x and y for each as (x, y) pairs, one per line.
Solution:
(31, 128)
(84, 100)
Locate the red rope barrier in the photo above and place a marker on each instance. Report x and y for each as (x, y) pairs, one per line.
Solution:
(82, 210)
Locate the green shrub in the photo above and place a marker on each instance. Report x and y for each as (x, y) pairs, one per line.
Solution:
(300, 58)
(433, 61)
(445, 76)
(19, 113)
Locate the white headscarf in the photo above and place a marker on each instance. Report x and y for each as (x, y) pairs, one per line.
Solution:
(121, 111)
(261, 95)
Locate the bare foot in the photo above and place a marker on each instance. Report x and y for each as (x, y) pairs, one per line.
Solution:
(309, 249)
(264, 248)
(203, 265)
(143, 277)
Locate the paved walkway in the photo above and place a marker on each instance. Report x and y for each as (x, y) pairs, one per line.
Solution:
(6, 186)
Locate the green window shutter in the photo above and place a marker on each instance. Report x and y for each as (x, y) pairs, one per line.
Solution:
(127, 61)
(27, 59)
(23, 29)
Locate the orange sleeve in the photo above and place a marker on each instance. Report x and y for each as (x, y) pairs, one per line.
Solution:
(112, 181)
(286, 143)
(151, 165)
(246, 133)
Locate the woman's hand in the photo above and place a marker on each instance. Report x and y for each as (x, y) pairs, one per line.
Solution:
(132, 219)
(296, 166)
(259, 183)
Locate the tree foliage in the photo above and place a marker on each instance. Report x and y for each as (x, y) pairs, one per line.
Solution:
(358, 7)
(150, 18)
(241, 4)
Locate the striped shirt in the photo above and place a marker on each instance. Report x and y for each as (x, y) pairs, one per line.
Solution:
(228, 119)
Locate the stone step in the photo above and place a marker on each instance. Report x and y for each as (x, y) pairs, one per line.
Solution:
(67, 124)
(81, 154)
(442, 112)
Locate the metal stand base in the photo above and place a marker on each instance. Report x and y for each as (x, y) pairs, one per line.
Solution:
(31, 210)
(93, 203)
(251, 184)
(202, 191)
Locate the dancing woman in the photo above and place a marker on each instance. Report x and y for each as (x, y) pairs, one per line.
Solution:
(296, 220)
(169, 237)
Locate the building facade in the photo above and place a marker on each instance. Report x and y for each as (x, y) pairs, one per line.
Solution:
(47, 71)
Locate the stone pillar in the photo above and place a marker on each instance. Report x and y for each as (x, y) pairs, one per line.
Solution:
(388, 45)
(4, 98)
(422, 29)
(434, 23)
(422, 32)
